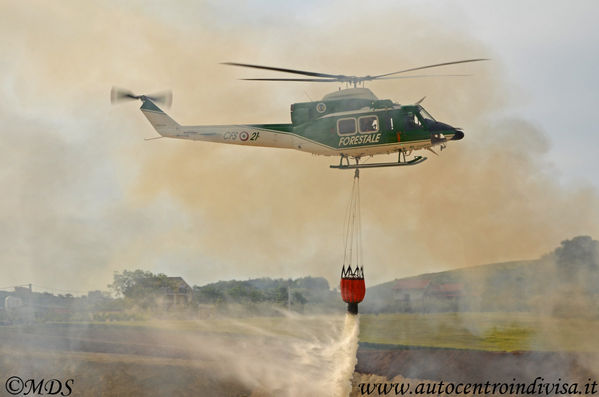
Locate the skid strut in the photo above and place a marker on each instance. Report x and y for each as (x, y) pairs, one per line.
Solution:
(399, 163)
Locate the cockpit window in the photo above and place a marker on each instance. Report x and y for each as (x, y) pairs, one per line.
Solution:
(425, 115)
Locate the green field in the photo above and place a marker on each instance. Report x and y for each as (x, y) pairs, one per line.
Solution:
(477, 331)
(482, 331)
(182, 357)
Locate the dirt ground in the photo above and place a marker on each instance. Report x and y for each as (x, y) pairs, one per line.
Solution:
(110, 361)
(474, 366)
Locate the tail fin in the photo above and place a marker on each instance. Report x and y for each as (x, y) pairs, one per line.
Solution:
(161, 121)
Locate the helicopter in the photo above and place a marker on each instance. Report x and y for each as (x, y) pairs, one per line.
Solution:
(351, 123)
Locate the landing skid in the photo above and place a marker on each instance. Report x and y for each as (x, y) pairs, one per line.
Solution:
(414, 161)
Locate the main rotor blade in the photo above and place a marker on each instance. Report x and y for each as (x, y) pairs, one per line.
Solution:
(312, 80)
(303, 72)
(421, 76)
(431, 66)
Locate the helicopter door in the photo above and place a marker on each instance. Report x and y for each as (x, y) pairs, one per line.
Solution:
(389, 120)
(412, 121)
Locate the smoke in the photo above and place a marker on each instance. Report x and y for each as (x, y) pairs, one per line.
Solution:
(299, 356)
(491, 197)
(86, 193)
(266, 356)
(293, 356)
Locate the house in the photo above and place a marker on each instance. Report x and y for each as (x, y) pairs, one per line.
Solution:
(419, 294)
(450, 291)
(444, 297)
(409, 294)
(178, 293)
(12, 303)
(23, 292)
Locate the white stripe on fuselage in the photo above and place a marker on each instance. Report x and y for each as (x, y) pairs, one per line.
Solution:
(262, 137)
(254, 136)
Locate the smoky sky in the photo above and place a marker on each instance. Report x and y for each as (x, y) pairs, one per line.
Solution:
(84, 194)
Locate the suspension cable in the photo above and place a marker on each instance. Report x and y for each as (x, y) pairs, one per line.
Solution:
(359, 254)
(353, 226)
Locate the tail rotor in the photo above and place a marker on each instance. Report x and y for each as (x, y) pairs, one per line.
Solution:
(118, 95)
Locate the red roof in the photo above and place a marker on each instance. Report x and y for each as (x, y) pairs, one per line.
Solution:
(448, 289)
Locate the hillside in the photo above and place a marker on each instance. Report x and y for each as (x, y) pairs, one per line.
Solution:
(562, 282)
(490, 279)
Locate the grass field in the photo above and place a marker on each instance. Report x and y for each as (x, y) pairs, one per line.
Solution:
(245, 326)
(477, 331)
(482, 331)
(217, 355)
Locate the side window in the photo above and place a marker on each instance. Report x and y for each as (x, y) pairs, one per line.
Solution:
(346, 126)
(369, 124)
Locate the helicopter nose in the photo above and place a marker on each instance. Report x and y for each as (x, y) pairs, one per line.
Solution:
(458, 134)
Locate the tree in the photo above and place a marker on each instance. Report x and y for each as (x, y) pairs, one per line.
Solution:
(141, 286)
(312, 283)
(578, 259)
(580, 252)
(299, 298)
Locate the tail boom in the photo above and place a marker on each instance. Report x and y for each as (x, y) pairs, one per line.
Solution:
(267, 135)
